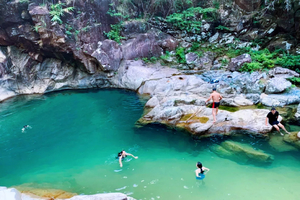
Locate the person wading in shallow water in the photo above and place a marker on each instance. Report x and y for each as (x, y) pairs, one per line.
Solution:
(122, 155)
(273, 120)
(200, 171)
(216, 97)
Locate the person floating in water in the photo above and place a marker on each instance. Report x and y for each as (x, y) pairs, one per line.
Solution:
(122, 155)
(216, 97)
(273, 121)
(200, 171)
(25, 128)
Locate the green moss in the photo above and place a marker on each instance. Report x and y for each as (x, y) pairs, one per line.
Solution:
(228, 108)
(203, 120)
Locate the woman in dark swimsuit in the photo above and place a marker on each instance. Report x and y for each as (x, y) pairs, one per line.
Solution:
(122, 155)
(200, 171)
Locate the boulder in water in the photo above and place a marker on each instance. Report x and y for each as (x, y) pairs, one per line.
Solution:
(242, 153)
(278, 144)
(293, 139)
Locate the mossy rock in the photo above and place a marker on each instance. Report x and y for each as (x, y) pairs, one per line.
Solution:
(242, 153)
(280, 145)
(292, 139)
(46, 193)
(184, 118)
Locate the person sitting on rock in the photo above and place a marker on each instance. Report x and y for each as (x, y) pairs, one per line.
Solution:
(273, 120)
(216, 97)
(200, 171)
(122, 155)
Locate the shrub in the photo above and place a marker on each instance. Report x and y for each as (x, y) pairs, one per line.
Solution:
(57, 11)
(115, 33)
(190, 19)
(250, 67)
(180, 55)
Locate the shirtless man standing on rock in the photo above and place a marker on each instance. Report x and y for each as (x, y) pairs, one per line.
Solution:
(216, 97)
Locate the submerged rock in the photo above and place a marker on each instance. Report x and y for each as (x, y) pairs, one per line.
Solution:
(278, 143)
(242, 153)
(293, 139)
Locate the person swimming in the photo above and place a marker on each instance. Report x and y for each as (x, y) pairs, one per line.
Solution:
(200, 171)
(122, 155)
(25, 127)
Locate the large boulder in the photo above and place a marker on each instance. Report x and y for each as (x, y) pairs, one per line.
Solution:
(148, 45)
(277, 85)
(109, 54)
(282, 72)
(242, 153)
(237, 63)
(9, 194)
(278, 144)
(291, 97)
(293, 139)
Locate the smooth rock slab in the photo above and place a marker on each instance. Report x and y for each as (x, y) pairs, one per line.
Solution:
(242, 153)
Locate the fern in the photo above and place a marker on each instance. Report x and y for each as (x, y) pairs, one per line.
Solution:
(57, 11)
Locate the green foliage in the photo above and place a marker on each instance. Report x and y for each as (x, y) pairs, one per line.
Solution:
(86, 29)
(115, 33)
(222, 28)
(295, 80)
(195, 46)
(180, 55)
(190, 19)
(289, 61)
(58, 10)
(216, 4)
(153, 59)
(224, 62)
(250, 67)
(36, 28)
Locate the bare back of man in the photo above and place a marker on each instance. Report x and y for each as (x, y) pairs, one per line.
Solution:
(216, 97)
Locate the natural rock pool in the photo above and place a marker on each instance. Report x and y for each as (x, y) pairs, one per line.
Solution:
(76, 136)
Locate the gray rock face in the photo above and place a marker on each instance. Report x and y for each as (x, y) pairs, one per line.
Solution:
(282, 72)
(148, 45)
(237, 63)
(291, 97)
(191, 58)
(109, 54)
(20, 74)
(277, 85)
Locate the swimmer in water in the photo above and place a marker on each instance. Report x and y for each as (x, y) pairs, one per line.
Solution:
(25, 127)
(122, 155)
(200, 171)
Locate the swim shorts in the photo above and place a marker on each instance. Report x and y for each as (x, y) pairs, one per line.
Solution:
(215, 104)
(274, 123)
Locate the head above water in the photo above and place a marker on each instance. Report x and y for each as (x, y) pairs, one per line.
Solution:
(199, 165)
(214, 89)
(120, 153)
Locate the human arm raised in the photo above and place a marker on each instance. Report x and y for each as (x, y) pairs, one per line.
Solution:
(128, 154)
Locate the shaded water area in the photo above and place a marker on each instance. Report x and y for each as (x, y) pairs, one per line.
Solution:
(75, 137)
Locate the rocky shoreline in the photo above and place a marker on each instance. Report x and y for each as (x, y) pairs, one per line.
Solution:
(14, 194)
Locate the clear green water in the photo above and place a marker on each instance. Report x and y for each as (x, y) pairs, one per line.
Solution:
(75, 137)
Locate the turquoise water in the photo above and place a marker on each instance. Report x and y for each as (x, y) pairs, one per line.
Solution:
(75, 137)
